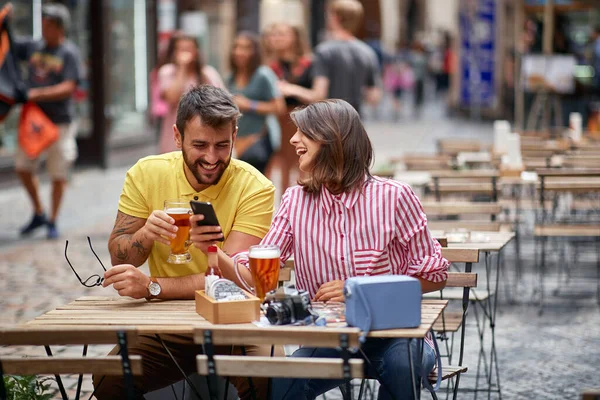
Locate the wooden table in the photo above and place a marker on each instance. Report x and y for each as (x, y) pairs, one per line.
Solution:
(495, 241)
(180, 317)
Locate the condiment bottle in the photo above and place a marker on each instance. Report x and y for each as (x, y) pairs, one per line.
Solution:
(212, 272)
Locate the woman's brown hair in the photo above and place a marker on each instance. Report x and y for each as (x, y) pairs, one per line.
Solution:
(343, 161)
(170, 55)
(300, 41)
(256, 59)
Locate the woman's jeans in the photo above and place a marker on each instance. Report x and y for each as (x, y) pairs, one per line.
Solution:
(388, 357)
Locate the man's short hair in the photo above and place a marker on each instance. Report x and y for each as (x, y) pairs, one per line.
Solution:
(59, 13)
(349, 13)
(214, 106)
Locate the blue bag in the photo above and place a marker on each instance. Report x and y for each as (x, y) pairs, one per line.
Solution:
(386, 302)
(390, 302)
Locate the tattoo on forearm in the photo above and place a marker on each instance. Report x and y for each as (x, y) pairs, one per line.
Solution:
(130, 247)
(122, 254)
(123, 223)
(141, 250)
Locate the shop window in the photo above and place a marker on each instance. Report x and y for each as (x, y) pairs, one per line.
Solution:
(127, 70)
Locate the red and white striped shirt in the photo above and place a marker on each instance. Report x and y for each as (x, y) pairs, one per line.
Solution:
(380, 230)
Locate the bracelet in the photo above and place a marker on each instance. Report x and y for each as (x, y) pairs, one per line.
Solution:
(253, 105)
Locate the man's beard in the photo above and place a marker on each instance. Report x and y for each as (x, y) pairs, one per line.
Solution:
(217, 173)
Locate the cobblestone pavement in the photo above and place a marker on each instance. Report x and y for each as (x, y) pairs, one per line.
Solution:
(552, 356)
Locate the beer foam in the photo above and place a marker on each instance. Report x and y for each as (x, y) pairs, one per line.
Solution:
(176, 211)
(264, 253)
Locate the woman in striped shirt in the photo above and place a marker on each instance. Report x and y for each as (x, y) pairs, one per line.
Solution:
(342, 222)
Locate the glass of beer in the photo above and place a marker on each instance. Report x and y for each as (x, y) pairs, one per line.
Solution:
(264, 266)
(180, 211)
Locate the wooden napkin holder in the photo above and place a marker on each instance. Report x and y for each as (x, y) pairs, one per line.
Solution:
(228, 312)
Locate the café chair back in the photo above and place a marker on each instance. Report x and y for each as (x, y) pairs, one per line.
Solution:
(47, 336)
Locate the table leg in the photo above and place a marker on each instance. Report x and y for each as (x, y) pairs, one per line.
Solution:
(185, 377)
(494, 355)
(127, 372)
(345, 355)
(482, 356)
(250, 383)
(543, 240)
(80, 380)
(519, 266)
(61, 387)
(269, 381)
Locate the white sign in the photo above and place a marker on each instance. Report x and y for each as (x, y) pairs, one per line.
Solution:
(194, 23)
(167, 15)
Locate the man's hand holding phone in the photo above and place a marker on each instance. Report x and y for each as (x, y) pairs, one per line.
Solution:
(205, 229)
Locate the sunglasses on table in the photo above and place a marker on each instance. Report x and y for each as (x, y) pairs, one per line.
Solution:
(92, 281)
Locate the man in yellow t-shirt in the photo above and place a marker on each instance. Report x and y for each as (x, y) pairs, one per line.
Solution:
(205, 131)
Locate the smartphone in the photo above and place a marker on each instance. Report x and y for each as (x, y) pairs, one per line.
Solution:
(206, 209)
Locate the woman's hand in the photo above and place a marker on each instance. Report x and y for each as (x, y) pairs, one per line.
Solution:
(331, 291)
(242, 102)
(287, 89)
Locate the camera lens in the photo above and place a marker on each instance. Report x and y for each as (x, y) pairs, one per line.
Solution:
(278, 314)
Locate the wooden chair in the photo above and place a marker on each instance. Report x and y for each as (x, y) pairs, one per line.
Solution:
(581, 160)
(212, 365)
(564, 180)
(425, 162)
(454, 146)
(450, 322)
(543, 232)
(123, 364)
(470, 182)
(473, 216)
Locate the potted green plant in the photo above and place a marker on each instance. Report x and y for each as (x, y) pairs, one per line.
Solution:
(27, 387)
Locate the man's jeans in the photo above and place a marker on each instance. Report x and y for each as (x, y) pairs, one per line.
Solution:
(389, 357)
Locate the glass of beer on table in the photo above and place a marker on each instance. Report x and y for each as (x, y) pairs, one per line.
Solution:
(180, 211)
(264, 266)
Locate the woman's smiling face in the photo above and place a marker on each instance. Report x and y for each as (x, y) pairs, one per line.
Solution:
(306, 149)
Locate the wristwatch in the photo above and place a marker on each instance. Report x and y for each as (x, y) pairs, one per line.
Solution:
(153, 288)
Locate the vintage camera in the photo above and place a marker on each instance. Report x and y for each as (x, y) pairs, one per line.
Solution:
(288, 305)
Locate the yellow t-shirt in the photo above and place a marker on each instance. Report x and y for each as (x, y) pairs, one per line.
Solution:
(243, 200)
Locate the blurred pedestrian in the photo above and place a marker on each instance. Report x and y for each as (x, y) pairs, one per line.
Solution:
(343, 67)
(158, 106)
(293, 67)
(255, 91)
(266, 44)
(398, 77)
(183, 68)
(54, 70)
(443, 70)
(418, 62)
